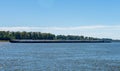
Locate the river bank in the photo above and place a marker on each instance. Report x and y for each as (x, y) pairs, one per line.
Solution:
(4, 40)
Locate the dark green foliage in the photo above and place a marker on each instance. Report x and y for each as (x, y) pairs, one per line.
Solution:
(6, 35)
(61, 37)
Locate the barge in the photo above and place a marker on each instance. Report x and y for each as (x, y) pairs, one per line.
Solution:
(60, 41)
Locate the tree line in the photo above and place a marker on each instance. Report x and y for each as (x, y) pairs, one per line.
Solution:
(7, 35)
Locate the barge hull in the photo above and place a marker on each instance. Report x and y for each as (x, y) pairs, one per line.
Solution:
(59, 41)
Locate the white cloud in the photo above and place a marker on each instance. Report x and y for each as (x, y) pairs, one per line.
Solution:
(97, 27)
(95, 31)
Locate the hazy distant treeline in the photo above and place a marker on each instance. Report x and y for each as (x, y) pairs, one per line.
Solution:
(7, 35)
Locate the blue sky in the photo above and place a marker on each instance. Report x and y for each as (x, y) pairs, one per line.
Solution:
(98, 18)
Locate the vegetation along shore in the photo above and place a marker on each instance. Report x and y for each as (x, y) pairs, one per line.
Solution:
(7, 36)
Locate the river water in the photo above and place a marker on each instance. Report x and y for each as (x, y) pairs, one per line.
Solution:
(59, 56)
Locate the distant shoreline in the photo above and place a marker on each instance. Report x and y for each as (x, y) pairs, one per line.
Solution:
(55, 40)
(4, 40)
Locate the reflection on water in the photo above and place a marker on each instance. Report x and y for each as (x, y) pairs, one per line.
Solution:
(59, 57)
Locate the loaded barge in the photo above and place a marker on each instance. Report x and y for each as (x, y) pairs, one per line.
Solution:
(60, 41)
